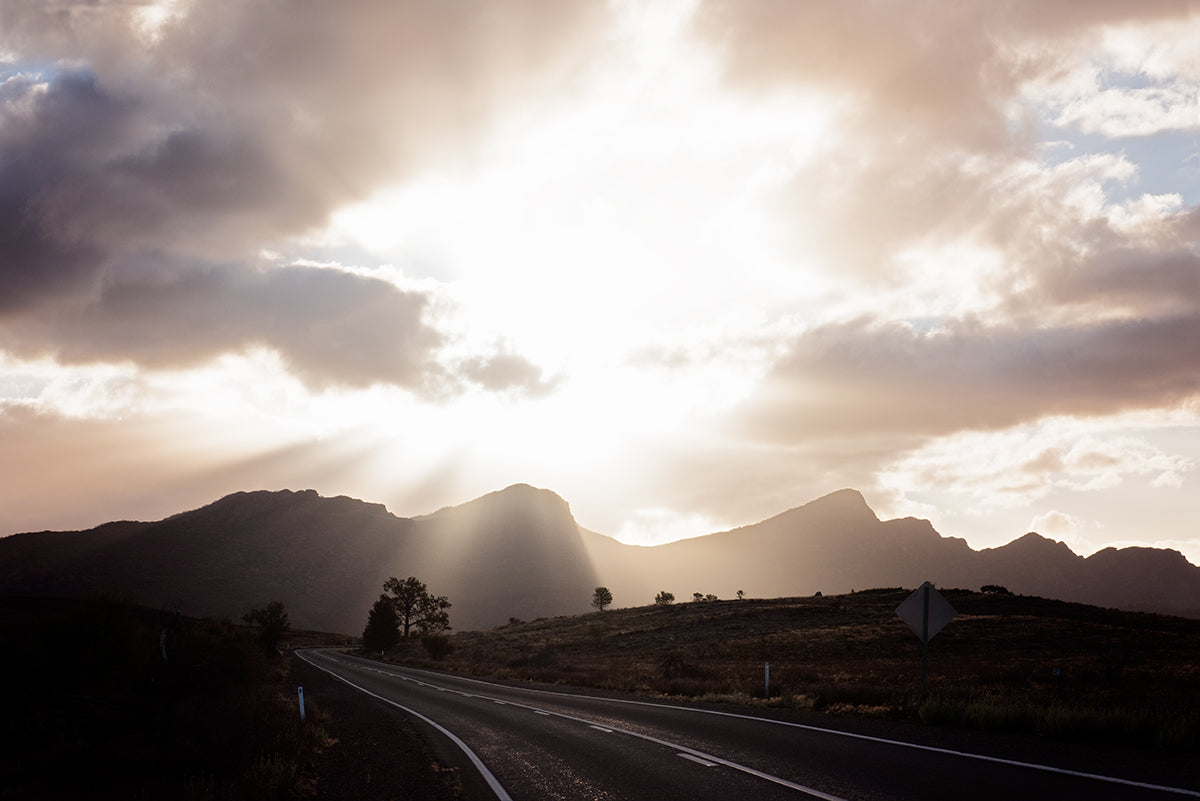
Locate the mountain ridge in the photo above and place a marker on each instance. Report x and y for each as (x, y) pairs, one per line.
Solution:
(519, 552)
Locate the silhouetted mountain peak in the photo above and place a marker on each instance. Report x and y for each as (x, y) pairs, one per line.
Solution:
(519, 552)
(1033, 544)
(846, 504)
(257, 504)
(516, 501)
(1142, 556)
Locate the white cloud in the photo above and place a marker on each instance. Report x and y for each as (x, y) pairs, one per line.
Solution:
(1055, 525)
(1143, 111)
(1016, 467)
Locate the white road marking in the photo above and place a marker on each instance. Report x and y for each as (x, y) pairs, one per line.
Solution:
(698, 760)
(933, 749)
(491, 780)
(716, 760)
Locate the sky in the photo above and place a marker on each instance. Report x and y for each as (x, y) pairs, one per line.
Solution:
(687, 263)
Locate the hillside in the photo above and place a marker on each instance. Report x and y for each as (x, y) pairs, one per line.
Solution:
(520, 553)
(1011, 663)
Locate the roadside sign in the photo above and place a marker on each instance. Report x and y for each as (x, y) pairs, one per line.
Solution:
(926, 612)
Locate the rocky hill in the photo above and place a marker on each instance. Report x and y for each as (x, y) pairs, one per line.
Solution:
(520, 553)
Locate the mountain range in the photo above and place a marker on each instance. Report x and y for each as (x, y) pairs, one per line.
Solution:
(520, 553)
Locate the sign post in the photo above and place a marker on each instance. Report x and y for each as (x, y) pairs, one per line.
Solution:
(926, 612)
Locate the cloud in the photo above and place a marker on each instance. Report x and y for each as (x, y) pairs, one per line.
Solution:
(141, 174)
(1018, 466)
(861, 377)
(937, 119)
(1055, 524)
(507, 371)
(1134, 112)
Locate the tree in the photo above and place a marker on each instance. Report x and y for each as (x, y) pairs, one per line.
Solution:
(416, 607)
(741, 595)
(664, 598)
(601, 598)
(697, 597)
(383, 627)
(272, 622)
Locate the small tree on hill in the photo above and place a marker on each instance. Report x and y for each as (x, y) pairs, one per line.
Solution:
(416, 607)
(664, 598)
(601, 598)
(272, 622)
(383, 627)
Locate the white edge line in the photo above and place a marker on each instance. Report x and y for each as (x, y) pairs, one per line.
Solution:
(680, 749)
(882, 740)
(491, 780)
(698, 760)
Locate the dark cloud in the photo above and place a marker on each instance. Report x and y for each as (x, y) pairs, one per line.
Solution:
(99, 230)
(865, 380)
(142, 171)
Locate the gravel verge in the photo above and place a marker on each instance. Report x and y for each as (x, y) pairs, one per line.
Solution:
(377, 754)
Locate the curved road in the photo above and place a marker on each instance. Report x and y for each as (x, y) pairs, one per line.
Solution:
(523, 744)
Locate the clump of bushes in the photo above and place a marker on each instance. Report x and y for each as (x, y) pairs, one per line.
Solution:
(210, 721)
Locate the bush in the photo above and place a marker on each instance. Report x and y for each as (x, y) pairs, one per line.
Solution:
(438, 646)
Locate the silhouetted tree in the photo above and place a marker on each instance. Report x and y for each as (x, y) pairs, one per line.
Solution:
(601, 598)
(664, 598)
(710, 597)
(997, 589)
(416, 607)
(741, 595)
(383, 627)
(697, 596)
(272, 622)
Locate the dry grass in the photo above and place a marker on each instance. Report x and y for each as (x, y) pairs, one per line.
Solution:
(1006, 663)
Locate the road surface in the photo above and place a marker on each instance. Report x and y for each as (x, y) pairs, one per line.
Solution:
(522, 743)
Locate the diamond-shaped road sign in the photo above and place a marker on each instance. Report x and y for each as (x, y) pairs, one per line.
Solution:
(926, 612)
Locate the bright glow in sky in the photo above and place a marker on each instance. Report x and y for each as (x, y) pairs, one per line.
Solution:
(687, 264)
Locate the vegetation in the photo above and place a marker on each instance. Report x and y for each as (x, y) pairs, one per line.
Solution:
(664, 598)
(272, 623)
(383, 626)
(416, 608)
(118, 701)
(601, 598)
(1006, 663)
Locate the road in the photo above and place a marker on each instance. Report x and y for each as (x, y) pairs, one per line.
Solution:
(522, 743)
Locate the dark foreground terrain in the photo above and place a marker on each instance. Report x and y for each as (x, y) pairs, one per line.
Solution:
(97, 713)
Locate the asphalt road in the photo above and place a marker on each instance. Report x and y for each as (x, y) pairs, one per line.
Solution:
(521, 743)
